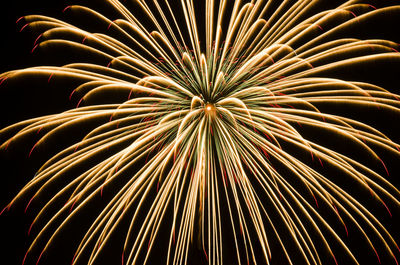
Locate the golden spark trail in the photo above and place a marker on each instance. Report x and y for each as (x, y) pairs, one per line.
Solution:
(212, 139)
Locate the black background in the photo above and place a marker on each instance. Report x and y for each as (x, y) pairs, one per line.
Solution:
(31, 100)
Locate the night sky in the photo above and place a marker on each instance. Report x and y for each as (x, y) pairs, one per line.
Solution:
(29, 99)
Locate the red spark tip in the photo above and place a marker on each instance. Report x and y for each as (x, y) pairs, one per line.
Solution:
(18, 20)
(76, 148)
(72, 206)
(130, 93)
(73, 259)
(334, 258)
(8, 143)
(351, 12)
(387, 172)
(66, 8)
(26, 254)
(394, 257)
(312, 155)
(320, 161)
(376, 253)
(34, 48)
(48, 81)
(315, 200)
(29, 203)
(109, 26)
(70, 96)
(99, 245)
(37, 262)
(387, 208)
(27, 24)
(30, 228)
(2, 80)
(7, 207)
(30, 153)
(205, 253)
(37, 39)
(77, 106)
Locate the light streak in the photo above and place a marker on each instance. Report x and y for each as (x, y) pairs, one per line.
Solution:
(213, 125)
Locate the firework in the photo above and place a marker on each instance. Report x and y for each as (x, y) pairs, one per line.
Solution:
(199, 132)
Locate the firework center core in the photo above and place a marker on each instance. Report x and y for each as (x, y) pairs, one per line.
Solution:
(209, 108)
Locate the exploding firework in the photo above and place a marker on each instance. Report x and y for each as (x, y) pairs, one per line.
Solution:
(213, 128)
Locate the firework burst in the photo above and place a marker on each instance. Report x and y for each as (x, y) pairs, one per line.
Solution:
(200, 125)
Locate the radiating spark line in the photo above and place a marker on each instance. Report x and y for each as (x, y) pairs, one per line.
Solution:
(214, 122)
